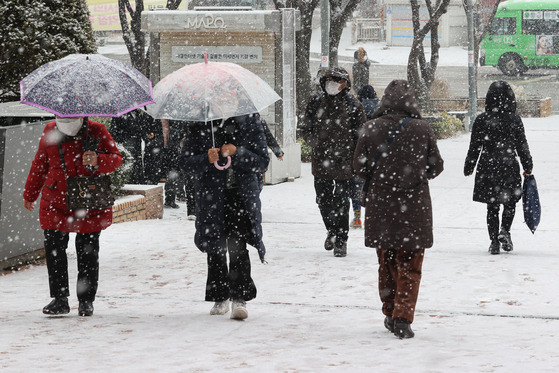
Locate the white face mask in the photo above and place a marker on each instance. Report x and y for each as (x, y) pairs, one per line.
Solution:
(332, 88)
(69, 126)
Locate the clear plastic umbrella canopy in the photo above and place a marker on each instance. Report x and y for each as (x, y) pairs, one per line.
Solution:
(210, 90)
(86, 85)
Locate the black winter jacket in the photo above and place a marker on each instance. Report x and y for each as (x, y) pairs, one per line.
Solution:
(250, 159)
(497, 139)
(331, 127)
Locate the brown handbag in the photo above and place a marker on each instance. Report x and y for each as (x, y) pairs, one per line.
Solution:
(87, 192)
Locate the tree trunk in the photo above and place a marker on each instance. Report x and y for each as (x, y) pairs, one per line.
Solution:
(339, 14)
(173, 4)
(421, 73)
(133, 37)
(484, 13)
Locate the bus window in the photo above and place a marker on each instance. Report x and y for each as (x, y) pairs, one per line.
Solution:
(551, 18)
(538, 22)
(503, 26)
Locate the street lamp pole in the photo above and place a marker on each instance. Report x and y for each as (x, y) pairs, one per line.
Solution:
(471, 64)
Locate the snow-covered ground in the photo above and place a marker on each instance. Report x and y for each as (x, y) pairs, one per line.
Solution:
(382, 54)
(314, 312)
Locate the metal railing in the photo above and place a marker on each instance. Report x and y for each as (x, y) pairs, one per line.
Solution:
(367, 29)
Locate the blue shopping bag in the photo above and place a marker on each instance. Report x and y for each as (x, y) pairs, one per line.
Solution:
(531, 203)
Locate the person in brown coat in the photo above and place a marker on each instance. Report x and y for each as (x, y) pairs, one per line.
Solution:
(398, 219)
(330, 126)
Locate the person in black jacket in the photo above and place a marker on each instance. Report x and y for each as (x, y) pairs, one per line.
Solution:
(331, 127)
(274, 147)
(228, 213)
(368, 97)
(130, 130)
(127, 130)
(360, 69)
(497, 138)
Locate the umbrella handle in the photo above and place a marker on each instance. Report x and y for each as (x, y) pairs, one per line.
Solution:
(221, 168)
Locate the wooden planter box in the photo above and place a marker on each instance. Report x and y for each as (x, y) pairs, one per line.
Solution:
(533, 107)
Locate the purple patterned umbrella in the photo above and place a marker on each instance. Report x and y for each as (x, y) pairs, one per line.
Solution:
(86, 85)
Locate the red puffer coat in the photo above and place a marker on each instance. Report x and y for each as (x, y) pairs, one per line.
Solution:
(47, 176)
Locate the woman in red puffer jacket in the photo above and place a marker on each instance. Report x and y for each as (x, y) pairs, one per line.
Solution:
(47, 177)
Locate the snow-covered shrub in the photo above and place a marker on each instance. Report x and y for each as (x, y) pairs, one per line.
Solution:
(447, 126)
(122, 174)
(522, 105)
(440, 88)
(306, 150)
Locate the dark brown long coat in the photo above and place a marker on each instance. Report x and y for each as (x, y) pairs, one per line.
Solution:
(398, 207)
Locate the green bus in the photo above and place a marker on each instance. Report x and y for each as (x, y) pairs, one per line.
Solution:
(524, 35)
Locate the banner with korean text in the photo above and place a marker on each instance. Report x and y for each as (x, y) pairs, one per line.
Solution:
(104, 13)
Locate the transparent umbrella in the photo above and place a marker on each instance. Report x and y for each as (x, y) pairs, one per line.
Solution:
(204, 92)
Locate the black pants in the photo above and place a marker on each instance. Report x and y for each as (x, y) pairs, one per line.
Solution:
(190, 201)
(235, 281)
(153, 161)
(87, 250)
(493, 218)
(173, 182)
(134, 146)
(332, 197)
(356, 186)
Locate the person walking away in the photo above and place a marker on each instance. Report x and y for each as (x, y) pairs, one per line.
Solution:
(330, 126)
(228, 207)
(497, 138)
(172, 135)
(368, 97)
(65, 138)
(360, 69)
(398, 212)
(188, 179)
(127, 130)
(274, 147)
(153, 149)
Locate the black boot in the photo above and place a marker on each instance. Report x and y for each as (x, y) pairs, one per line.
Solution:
(171, 204)
(389, 324)
(340, 249)
(402, 328)
(85, 308)
(330, 242)
(505, 240)
(58, 306)
(494, 248)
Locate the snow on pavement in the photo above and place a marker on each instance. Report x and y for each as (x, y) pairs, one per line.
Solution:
(314, 312)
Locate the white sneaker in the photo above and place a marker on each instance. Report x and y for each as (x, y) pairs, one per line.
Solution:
(239, 310)
(220, 308)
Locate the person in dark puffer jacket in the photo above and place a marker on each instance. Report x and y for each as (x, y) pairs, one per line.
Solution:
(497, 138)
(331, 127)
(228, 215)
